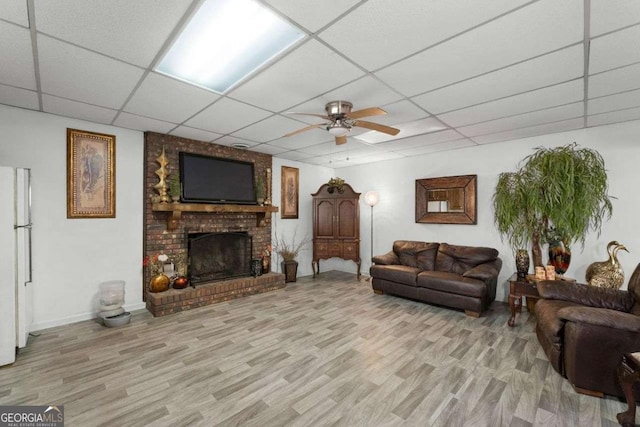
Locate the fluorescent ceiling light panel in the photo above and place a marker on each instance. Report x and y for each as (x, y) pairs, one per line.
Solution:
(225, 41)
(417, 127)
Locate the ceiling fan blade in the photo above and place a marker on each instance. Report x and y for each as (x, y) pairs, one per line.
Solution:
(367, 112)
(309, 114)
(304, 129)
(341, 140)
(376, 126)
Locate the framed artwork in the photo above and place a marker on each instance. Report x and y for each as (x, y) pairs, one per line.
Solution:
(446, 200)
(290, 192)
(91, 168)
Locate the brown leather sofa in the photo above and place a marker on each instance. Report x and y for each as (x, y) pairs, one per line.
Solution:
(462, 277)
(585, 330)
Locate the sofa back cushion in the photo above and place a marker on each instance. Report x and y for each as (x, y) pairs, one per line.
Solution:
(460, 259)
(420, 255)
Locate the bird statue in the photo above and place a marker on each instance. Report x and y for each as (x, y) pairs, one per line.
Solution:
(609, 273)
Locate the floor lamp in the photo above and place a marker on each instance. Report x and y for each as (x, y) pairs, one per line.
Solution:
(371, 198)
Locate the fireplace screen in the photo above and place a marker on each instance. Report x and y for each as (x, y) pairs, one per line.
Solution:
(218, 256)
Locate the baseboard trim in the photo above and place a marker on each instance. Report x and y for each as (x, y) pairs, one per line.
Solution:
(38, 326)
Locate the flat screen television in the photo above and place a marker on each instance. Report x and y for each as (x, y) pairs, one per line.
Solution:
(208, 179)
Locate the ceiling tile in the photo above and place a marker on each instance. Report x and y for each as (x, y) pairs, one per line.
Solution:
(293, 155)
(382, 31)
(268, 129)
(15, 43)
(620, 101)
(620, 80)
(227, 115)
(268, 149)
(554, 114)
(78, 110)
(443, 146)
(305, 73)
(167, 99)
(131, 121)
(543, 71)
(614, 50)
(133, 31)
(301, 140)
(539, 28)
(327, 148)
(19, 97)
(197, 134)
(421, 140)
(231, 141)
(548, 128)
(400, 112)
(614, 117)
(607, 15)
(75, 73)
(363, 93)
(564, 93)
(15, 11)
(417, 127)
(312, 15)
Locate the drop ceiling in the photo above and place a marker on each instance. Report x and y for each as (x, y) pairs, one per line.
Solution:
(454, 73)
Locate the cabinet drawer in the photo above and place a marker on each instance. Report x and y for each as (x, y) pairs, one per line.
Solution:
(334, 249)
(350, 249)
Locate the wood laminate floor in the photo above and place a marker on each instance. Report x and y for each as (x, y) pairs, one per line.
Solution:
(324, 351)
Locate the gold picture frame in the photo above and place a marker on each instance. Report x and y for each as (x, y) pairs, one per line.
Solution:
(290, 192)
(91, 168)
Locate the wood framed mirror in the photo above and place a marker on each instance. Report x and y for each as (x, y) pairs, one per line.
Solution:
(446, 200)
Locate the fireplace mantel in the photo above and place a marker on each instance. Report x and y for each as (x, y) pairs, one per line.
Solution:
(176, 209)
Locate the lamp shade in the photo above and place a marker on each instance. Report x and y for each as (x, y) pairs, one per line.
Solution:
(371, 198)
(338, 130)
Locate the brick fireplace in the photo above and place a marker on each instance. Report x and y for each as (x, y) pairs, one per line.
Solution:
(160, 239)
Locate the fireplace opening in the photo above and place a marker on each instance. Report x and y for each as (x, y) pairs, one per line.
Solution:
(218, 256)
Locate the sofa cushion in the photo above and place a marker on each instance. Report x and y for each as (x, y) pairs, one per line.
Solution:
(416, 254)
(549, 322)
(395, 273)
(460, 259)
(590, 296)
(452, 283)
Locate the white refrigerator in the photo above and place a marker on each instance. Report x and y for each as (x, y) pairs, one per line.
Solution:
(16, 288)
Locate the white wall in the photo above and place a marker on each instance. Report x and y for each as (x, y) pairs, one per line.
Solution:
(311, 178)
(394, 216)
(72, 256)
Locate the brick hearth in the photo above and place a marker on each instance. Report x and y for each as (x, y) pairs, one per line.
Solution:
(158, 240)
(175, 300)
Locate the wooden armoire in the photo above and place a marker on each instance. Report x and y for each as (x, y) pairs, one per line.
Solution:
(336, 225)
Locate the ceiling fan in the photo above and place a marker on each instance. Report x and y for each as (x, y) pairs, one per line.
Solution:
(341, 119)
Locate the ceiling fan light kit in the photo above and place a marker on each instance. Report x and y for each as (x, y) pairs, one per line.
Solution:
(341, 119)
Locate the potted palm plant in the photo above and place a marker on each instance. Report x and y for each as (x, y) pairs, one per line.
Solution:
(556, 192)
(289, 252)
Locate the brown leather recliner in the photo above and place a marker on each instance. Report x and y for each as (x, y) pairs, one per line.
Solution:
(585, 330)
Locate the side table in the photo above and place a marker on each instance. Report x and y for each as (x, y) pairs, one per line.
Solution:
(526, 287)
(628, 375)
(517, 289)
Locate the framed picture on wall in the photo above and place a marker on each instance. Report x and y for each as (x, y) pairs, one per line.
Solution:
(91, 168)
(289, 194)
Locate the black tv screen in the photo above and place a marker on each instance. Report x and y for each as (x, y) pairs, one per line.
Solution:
(207, 179)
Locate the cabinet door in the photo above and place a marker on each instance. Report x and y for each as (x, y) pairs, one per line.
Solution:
(324, 213)
(350, 249)
(347, 212)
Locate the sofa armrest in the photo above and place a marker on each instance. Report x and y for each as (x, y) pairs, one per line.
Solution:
(601, 317)
(586, 295)
(390, 258)
(486, 271)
